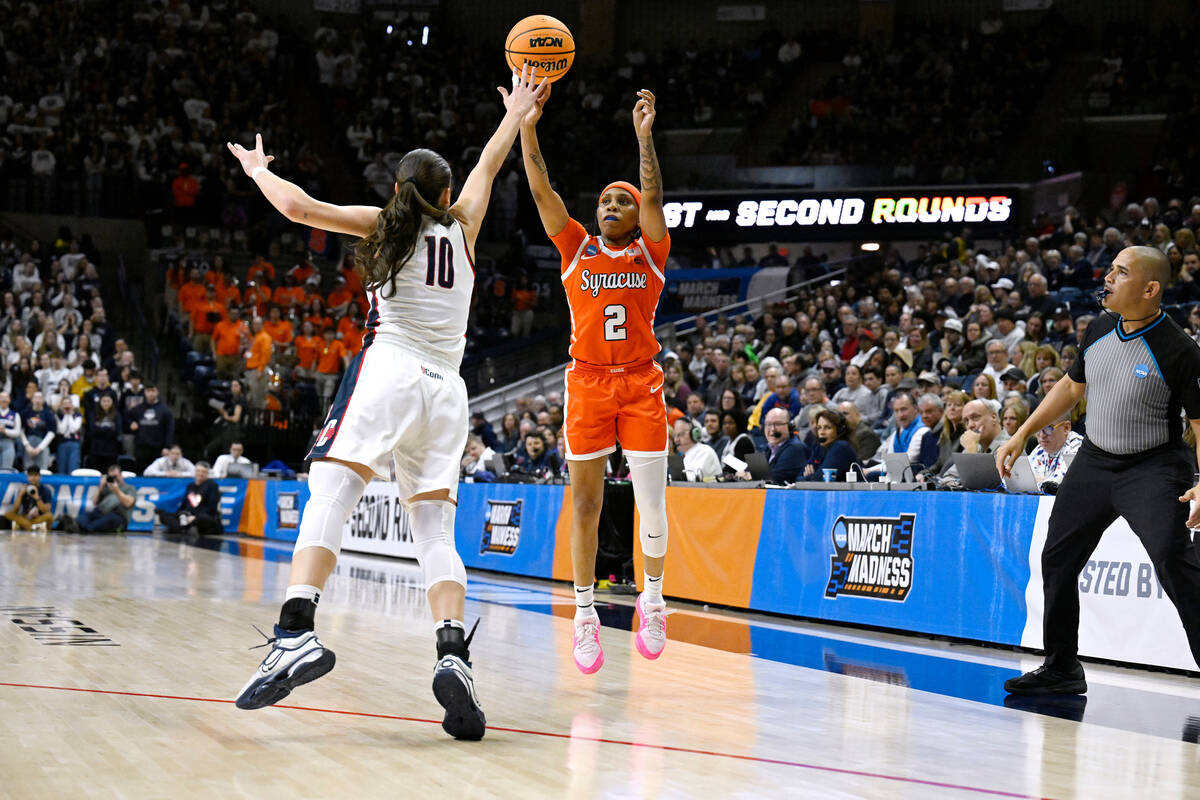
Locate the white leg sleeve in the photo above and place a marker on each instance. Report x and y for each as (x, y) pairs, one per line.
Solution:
(649, 477)
(433, 534)
(334, 490)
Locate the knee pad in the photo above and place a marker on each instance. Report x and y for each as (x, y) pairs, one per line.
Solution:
(334, 491)
(433, 536)
(649, 477)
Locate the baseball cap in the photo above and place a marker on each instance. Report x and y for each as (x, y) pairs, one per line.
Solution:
(829, 363)
(1003, 283)
(906, 383)
(1014, 374)
(928, 376)
(954, 325)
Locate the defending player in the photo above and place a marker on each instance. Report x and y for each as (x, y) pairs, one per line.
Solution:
(401, 398)
(614, 388)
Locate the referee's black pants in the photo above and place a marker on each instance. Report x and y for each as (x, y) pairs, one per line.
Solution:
(1099, 487)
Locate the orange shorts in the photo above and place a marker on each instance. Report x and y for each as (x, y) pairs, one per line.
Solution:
(606, 405)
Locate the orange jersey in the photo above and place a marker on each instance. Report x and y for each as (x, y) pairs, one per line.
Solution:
(306, 349)
(612, 294)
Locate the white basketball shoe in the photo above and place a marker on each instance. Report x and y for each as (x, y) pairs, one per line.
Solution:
(294, 659)
(589, 656)
(651, 637)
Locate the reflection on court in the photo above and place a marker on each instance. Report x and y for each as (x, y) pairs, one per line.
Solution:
(738, 705)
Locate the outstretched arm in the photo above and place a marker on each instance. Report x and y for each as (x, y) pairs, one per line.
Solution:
(294, 203)
(550, 206)
(651, 218)
(472, 201)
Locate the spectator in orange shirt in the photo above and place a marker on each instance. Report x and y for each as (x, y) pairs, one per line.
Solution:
(229, 295)
(229, 338)
(192, 291)
(353, 340)
(331, 360)
(257, 361)
(346, 271)
(218, 274)
(524, 298)
(260, 267)
(279, 329)
(340, 298)
(350, 324)
(184, 190)
(204, 316)
(317, 316)
(312, 288)
(289, 294)
(258, 294)
(303, 271)
(307, 344)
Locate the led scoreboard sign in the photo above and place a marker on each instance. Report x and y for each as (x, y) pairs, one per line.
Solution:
(859, 215)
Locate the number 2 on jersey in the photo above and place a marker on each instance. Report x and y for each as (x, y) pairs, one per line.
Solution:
(614, 323)
(443, 254)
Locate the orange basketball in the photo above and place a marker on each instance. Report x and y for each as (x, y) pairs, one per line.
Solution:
(542, 42)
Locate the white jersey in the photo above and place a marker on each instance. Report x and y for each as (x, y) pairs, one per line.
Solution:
(427, 311)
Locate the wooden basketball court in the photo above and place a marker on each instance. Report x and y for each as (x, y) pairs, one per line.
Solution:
(121, 656)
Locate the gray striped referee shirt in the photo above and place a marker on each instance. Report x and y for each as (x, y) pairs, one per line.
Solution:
(1137, 383)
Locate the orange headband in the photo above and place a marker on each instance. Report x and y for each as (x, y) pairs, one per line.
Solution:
(629, 187)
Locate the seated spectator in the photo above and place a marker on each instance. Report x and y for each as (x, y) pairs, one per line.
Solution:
(874, 409)
(70, 436)
(952, 427)
(31, 506)
(226, 460)
(306, 346)
(39, 427)
(199, 512)
(700, 461)
(782, 396)
(737, 441)
(911, 438)
(814, 399)
(864, 438)
(833, 450)
(984, 433)
(171, 465)
(510, 434)
(537, 459)
(675, 389)
(1013, 414)
(279, 329)
(983, 388)
(111, 504)
(786, 454)
(711, 428)
(477, 459)
(1056, 447)
(483, 429)
(854, 391)
(10, 428)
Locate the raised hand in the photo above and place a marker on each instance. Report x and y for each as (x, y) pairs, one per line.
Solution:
(643, 113)
(526, 97)
(250, 159)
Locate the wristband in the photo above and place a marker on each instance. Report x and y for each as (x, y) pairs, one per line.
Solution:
(254, 172)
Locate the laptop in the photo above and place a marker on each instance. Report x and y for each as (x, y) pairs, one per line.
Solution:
(498, 465)
(897, 466)
(1021, 477)
(977, 470)
(675, 469)
(758, 467)
(242, 471)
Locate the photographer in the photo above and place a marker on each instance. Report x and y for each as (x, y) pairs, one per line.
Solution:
(200, 510)
(112, 505)
(31, 506)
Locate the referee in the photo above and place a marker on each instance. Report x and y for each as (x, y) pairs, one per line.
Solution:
(1139, 370)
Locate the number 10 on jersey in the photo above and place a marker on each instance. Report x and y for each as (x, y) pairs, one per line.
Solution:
(439, 258)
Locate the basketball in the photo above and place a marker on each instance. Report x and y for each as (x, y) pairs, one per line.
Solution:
(543, 42)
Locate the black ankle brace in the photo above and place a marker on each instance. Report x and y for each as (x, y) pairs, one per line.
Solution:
(297, 614)
(453, 641)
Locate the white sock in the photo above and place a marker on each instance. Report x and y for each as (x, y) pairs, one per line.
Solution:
(451, 623)
(653, 591)
(303, 591)
(584, 602)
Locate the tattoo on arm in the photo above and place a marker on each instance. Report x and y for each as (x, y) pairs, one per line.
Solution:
(536, 158)
(649, 166)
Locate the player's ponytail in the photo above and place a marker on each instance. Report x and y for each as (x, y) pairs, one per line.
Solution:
(379, 256)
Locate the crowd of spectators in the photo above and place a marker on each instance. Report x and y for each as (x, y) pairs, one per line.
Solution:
(934, 104)
(944, 352)
(118, 113)
(72, 394)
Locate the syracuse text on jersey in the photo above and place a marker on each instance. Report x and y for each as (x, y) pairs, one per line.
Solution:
(593, 282)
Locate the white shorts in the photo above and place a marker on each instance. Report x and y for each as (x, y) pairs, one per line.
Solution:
(394, 406)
